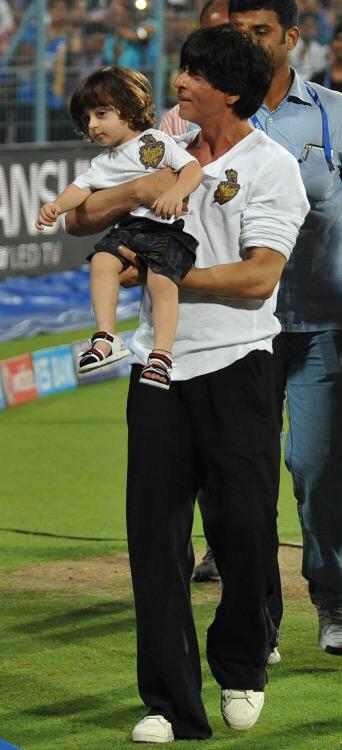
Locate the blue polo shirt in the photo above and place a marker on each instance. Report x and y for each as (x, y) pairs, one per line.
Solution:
(310, 293)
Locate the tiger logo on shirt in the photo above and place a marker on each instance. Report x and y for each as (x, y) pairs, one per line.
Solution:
(152, 152)
(227, 189)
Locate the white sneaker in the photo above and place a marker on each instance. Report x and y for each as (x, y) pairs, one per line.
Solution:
(241, 708)
(153, 729)
(330, 628)
(274, 657)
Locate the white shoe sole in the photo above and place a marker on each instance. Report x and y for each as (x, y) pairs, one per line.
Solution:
(154, 383)
(104, 362)
(151, 738)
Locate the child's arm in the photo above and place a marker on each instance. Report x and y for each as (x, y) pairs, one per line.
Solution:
(105, 206)
(171, 203)
(71, 197)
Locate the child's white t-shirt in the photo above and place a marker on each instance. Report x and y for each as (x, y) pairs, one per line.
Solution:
(150, 150)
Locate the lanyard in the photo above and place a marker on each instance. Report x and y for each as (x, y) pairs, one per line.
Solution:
(328, 152)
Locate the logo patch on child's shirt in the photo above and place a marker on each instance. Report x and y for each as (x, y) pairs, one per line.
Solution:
(227, 189)
(152, 153)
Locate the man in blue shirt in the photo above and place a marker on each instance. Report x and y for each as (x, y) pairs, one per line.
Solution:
(307, 120)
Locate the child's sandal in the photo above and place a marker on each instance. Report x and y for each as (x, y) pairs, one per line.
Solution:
(157, 364)
(94, 358)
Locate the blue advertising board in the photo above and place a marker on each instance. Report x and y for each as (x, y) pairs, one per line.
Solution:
(54, 370)
(2, 405)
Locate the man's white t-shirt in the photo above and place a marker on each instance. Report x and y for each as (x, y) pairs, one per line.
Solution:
(252, 196)
(150, 150)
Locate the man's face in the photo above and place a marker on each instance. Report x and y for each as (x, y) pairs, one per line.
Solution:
(266, 28)
(198, 100)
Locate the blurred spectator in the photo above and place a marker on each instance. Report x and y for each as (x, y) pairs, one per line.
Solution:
(81, 35)
(7, 23)
(308, 56)
(96, 10)
(132, 42)
(59, 121)
(91, 51)
(331, 77)
(325, 18)
(213, 13)
(7, 26)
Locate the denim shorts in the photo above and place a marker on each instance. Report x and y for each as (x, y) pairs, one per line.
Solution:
(165, 248)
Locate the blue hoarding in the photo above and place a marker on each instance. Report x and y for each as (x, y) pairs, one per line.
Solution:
(2, 399)
(54, 370)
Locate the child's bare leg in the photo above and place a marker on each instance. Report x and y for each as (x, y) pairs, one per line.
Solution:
(104, 287)
(164, 295)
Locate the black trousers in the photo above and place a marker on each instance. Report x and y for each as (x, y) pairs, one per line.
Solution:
(220, 432)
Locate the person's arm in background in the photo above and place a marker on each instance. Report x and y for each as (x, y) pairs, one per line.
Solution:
(104, 207)
(139, 34)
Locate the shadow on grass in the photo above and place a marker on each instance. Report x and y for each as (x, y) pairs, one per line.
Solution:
(113, 627)
(121, 721)
(67, 707)
(89, 703)
(69, 618)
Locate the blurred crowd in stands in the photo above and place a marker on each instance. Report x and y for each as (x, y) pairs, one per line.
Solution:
(82, 35)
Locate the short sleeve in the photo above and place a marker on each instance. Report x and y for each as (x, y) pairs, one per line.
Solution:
(177, 156)
(87, 180)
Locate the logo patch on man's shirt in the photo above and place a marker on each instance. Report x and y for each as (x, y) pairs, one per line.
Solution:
(152, 153)
(227, 189)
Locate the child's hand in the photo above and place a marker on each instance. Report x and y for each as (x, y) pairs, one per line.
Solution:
(169, 204)
(48, 214)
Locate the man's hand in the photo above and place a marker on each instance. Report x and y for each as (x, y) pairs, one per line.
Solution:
(134, 275)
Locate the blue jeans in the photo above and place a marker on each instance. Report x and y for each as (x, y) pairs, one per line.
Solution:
(310, 367)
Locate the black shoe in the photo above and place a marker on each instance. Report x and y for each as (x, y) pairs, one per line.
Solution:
(206, 570)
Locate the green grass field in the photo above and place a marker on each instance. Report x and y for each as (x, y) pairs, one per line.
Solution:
(68, 653)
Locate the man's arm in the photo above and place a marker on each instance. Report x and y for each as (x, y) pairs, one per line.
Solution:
(256, 277)
(104, 207)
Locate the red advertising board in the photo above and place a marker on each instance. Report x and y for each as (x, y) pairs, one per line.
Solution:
(18, 380)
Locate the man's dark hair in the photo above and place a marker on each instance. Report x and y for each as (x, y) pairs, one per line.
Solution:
(232, 62)
(286, 10)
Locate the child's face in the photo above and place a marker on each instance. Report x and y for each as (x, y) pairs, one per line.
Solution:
(106, 128)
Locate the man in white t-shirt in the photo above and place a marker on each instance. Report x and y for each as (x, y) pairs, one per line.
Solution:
(218, 427)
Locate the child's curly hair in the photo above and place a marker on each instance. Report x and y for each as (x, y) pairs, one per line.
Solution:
(128, 91)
